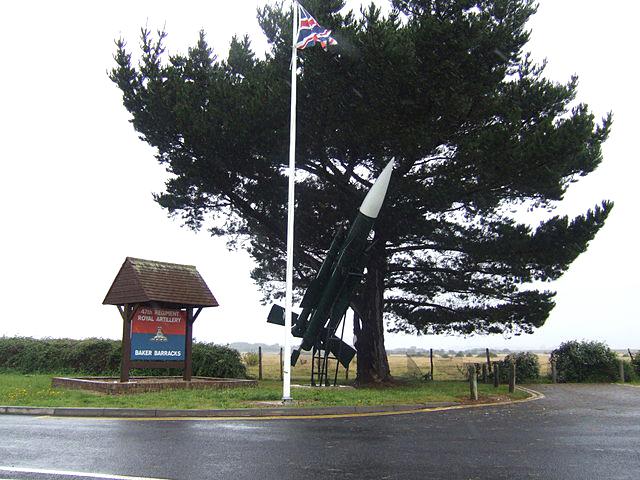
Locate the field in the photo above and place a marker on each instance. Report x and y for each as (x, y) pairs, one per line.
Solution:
(402, 366)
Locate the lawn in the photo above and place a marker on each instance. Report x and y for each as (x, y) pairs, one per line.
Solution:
(36, 390)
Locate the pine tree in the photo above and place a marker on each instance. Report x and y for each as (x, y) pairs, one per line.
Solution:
(444, 87)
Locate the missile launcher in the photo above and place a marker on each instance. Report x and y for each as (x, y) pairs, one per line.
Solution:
(327, 298)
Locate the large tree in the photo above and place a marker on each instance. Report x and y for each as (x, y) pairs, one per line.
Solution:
(444, 87)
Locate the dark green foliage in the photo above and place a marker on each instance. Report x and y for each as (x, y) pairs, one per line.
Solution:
(636, 363)
(444, 87)
(211, 360)
(630, 373)
(95, 356)
(91, 356)
(585, 362)
(527, 366)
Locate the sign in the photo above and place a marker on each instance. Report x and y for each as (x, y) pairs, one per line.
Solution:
(158, 334)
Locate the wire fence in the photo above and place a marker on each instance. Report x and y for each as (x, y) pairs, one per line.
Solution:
(416, 366)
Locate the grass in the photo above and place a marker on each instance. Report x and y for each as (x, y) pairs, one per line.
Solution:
(35, 390)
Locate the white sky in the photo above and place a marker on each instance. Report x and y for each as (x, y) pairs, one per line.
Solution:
(76, 183)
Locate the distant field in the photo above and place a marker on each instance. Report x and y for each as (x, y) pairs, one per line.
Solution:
(401, 366)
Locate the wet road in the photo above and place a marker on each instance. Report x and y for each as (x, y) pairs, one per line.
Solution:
(576, 432)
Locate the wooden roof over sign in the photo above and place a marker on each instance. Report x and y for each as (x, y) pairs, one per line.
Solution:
(149, 281)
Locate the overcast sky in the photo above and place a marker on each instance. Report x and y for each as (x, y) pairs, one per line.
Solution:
(76, 182)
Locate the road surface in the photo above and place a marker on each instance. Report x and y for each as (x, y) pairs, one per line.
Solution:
(575, 432)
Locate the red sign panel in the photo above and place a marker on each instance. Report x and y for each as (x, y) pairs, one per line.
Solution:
(148, 320)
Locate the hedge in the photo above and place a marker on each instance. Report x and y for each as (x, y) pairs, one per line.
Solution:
(585, 362)
(97, 356)
(527, 366)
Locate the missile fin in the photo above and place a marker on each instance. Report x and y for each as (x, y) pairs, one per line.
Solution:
(276, 316)
(342, 351)
(295, 354)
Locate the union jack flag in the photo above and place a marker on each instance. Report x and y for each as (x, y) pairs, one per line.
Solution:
(311, 32)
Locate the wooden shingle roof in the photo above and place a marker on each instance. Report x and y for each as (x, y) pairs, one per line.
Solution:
(149, 281)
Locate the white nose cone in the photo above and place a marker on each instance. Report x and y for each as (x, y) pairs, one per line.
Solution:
(373, 201)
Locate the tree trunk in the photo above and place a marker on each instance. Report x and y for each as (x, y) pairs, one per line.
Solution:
(368, 325)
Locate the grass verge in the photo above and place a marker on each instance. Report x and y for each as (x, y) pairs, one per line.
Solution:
(36, 390)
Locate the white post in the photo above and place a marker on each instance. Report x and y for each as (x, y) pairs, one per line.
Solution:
(286, 383)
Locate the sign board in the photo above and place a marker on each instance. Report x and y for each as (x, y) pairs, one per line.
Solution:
(158, 334)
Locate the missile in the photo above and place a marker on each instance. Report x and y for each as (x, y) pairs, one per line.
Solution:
(327, 298)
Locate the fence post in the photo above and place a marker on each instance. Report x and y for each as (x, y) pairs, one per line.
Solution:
(281, 365)
(431, 361)
(512, 377)
(621, 364)
(484, 373)
(259, 363)
(496, 375)
(473, 382)
(488, 359)
(554, 372)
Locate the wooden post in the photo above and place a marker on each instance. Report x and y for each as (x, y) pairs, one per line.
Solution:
(473, 382)
(125, 364)
(554, 372)
(431, 361)
(281, 365)
(621, 365)
(488, 359)
(484, 373)
(188, 340)
(259, 363)
(496, 375)
(512, 377)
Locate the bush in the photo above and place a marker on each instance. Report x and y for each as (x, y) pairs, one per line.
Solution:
(96, 356)
(635, 363)
(585, 362)
(210, 360)
(29, 355)
(630, 373)
(527, 366)
(250, 359)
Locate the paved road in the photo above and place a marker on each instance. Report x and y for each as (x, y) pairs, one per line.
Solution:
(576, 432)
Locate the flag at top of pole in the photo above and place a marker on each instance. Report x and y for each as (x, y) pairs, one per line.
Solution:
(306, 33)
(311, 32)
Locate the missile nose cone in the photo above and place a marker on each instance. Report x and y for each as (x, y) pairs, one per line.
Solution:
(373, 201)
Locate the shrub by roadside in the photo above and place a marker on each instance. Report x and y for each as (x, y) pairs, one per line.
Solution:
(96, 356)
(210, 360)
(585, 362)
(527, 366)
(635, 364)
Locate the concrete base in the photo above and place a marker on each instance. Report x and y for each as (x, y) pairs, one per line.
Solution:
(112, 385)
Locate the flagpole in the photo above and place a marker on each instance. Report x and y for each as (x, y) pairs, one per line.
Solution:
(286, 368)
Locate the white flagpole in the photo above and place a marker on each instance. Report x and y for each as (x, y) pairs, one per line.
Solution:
(286, 368)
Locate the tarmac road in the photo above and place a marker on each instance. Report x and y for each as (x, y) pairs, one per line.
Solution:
(576, 432)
